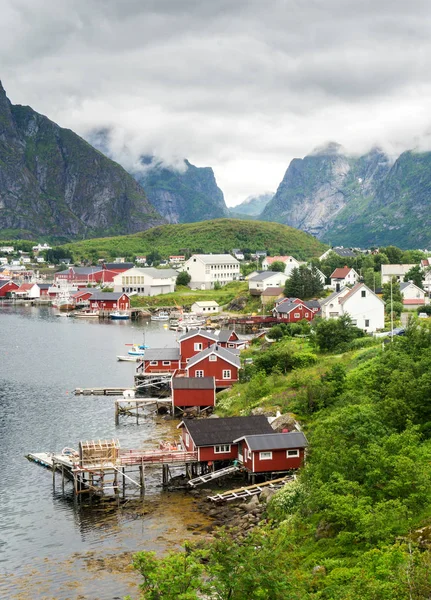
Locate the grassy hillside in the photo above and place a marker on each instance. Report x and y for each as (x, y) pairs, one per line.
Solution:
(220, 235)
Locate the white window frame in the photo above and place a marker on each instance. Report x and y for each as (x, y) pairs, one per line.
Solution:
(166, 363)
(225, 376)
(212, 358)
(198, 346)
(199, 373)
(222, 449)
(296, 315)
(296, 455)
(265, 455)
(154, 363)
(187, 439)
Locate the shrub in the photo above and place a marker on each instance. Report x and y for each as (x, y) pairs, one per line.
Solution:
(183, 278)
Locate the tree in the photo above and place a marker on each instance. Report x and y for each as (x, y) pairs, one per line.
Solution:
(183, 278)
(372, 279)
(394, 296)
(278, 266)
(394, 254)
(303, 283)
(332, 334)
(416, 275)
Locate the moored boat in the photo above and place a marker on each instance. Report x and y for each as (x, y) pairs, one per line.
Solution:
(87, 314)
(119, 315)
(160, 316)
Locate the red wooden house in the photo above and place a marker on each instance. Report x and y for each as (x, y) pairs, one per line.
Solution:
(213, 439)
(82, 276)
(82, 297)
(292, 312)
(193, 342)
(228, 338)
(192, 391)
(216, 362)
(160, 360)
(271, 452)
(7, 286)
(109, 301)
(44, 290)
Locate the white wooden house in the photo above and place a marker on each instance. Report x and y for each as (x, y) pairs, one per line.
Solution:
(364, 307)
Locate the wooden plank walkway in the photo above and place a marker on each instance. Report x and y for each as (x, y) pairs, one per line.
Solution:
(102, 391)
(133, 457)
(211, 476)
(251, 490)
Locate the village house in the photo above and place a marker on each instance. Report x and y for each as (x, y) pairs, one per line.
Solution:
(229, 339)
(292, 312)
(84, 276)
(339, 251)
(412, 295)
(190, 392)
(207, 307)
(177, 259)
(7, 287)
(238, 254)
(217, 362)
(194, 341)
(213, 439)
(146, 281)
(29, 291)
(271, 452)
(206, 269)
(7, 249)
(260, 282)
(82, 297)
(364, 307)
(141, 260)
(271, 295)
(108, 301)
(425, 265)
(394, 272)
(160, 360)
(44, 290)
(289, 262)
(342, 277)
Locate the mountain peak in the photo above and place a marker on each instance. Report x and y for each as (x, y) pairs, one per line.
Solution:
(329, 149)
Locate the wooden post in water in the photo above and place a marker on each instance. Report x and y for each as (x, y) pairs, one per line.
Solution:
(53, 473)
(117, 417)
(62, 478)
(141, 477)
(124, 482)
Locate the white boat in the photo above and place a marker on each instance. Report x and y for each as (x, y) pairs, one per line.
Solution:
(129, 358)
(160, 316)
(64, 300)
(87, 314)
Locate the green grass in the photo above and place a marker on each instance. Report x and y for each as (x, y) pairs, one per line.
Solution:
(185, 297)
(216, 236)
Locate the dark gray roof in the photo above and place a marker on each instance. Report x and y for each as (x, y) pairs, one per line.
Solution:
(344, 252)
(207, 432)
(81, 270)
(162, 354)
(44, 286)
(286, 307)
(265, 275)
(103, 296)
(224, 353)
(275, 441)
(193, 383)
(312, 304)
(330, 297)
(192, 332)
(224, 335)
(124, 265)
(3, 282)
(404, 284)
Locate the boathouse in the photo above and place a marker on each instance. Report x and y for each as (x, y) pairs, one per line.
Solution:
(190, 392)
(272, 452)
(6, 287)
(228, 338)
(160, 360)
(213, 439)
(193, 342)
(217, 362)
(109, 301)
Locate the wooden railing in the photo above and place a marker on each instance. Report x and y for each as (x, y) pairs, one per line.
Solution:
(134, 457)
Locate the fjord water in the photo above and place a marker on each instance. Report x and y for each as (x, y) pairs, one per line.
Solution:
(50, 547)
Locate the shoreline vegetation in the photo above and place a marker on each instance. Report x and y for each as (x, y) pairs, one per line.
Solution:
(357, 521)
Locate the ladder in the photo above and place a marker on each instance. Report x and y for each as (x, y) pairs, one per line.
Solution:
(251, 490)
(213, 475)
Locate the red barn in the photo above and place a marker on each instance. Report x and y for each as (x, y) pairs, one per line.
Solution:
(109, 301)
(292, 312)
(83, 276)
(193, 391)
(193, 342)
(217, 362)
(272, 452)
(82, 297)
(7, 286)
(44, 289)
(213, 439)
(160, 360)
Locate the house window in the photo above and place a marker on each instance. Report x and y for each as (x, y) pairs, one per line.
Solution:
(213, 357)
(198, 346)
(306, 314)
(265, 455)
(363, 293)
(226, 374)
(199, 373)
(292, 453)
(222, 449)
(367, 322)
(166, 363)
(187, 439)
(296, 315)
(154, 363)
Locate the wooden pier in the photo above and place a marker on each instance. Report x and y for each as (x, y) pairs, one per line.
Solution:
(252, 490)
(207, 477)
(101, 391)
(134, 407)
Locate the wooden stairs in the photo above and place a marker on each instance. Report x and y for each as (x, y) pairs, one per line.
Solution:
(213, 475)
(251, 490)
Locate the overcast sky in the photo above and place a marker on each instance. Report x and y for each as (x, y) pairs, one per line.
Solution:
(241, 86)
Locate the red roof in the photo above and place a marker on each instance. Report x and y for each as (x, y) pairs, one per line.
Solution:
(341, 273)
(414, 301)
(272, 291)
(272, 259)
(25, 287)
(425, 262)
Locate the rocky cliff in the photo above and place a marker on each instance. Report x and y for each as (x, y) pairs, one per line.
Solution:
(54, 183)
(252, 206)
(186, 195)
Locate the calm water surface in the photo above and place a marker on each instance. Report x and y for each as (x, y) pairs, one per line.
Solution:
(50, 547)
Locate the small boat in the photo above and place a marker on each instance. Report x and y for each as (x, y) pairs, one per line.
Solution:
(118, 315)
(87, 314)
(129, 358)
(137, 350)
(160, 316)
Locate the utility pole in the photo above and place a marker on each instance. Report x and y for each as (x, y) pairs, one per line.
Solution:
(392, 315)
